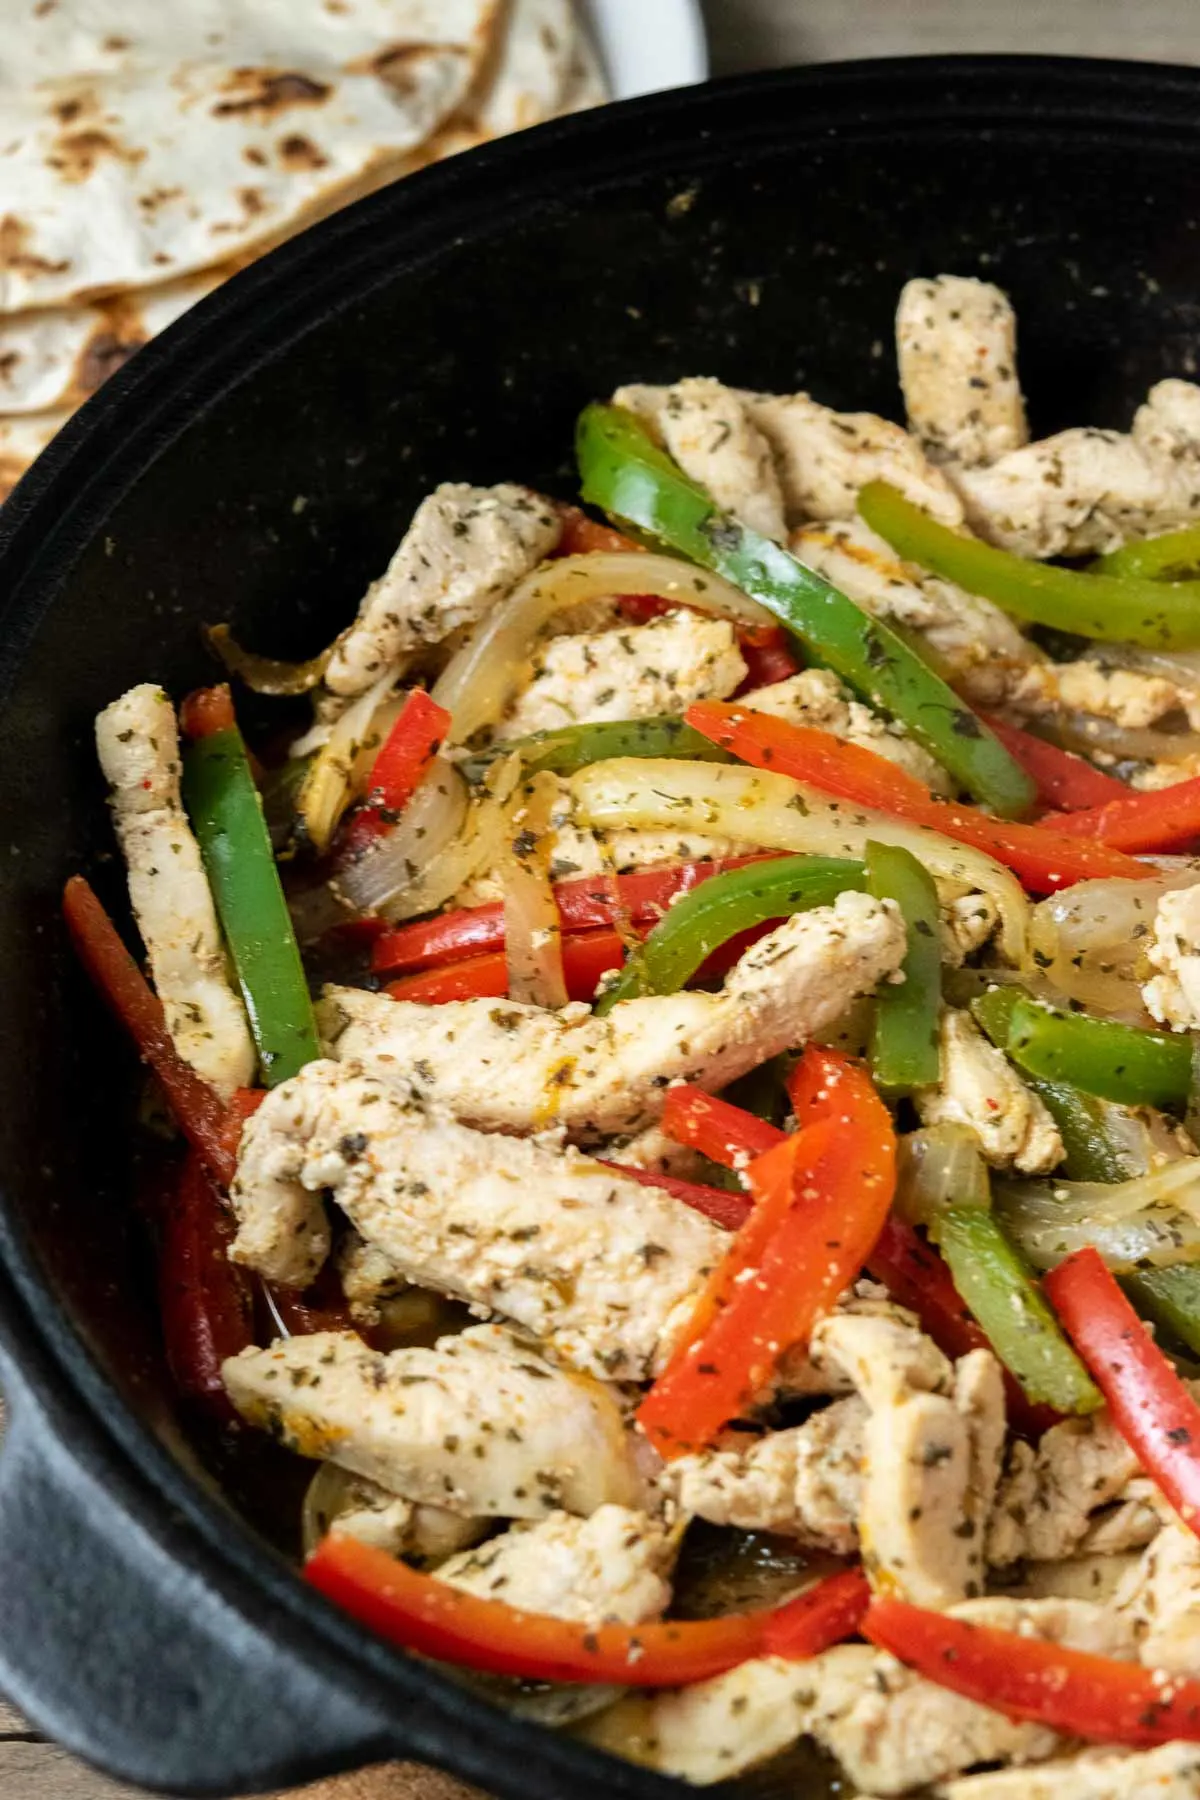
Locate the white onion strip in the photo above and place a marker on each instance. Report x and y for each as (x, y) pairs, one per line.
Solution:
(432, 820)
(532, 928)
(777, 813)
(329, 784)
(478, 846)
(481, 678)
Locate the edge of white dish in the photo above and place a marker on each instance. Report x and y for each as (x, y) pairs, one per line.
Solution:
(648, 45)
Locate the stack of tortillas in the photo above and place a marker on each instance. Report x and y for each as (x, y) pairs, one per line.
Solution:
(150, 148)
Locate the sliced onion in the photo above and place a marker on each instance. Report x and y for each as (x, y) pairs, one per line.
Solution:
(1154, 1220)
(430, 823)
(266, 674)
(1090, 940)
(532, 928)
(1087, 734)
(329, 785)
(481, 678)
(1180, 666)
(939, 1166)
(478, 846)
(777, 813)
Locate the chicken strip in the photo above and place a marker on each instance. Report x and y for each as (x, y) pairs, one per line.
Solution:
(1170, 1772)
(1160, 1599)
(611, 1568)
(138, 744)
(600, 1268)
(1126, 696)
(980, 1088)
(978, 643)
(816, 697)
(956, 346)
(420, 1534)
(1047, 1496)
(1173, 948)
(519, 1067)
(705, 427)
(467, 547)
(480, 1425)
(369, 1279)
(632, 672)
(1088, 490)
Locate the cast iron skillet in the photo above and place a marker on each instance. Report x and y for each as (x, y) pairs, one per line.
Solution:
(259, 464)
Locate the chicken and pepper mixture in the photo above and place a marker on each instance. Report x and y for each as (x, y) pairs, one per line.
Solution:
(694, 1042)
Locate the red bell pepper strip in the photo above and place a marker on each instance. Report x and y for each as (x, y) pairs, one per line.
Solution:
(587, 957)
(823, 1195)
(717, 1204)
(1151, 1407)
(1064, 781)
(197, 1107)
(205, 1301)
(1073, 1691)
(768, 657)
(726, 1134)
(421, 1613)
(1043, 859)
(584, 903)
(1158, 820)
(582, 536)
(410, 746)
(207, 711)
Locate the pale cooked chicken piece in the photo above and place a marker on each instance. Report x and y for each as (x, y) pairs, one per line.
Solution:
(980, 1088)
(967, 923)
(1126, 696)
(814, 1367)
(978, 643)
(956, 346)
(890, 1729)
(1171, 1772)
(138, 744)
(613, 1567)
(651, 1149)
(1048, 1495)
(600, 1268)
(467, 547)
(817, 698)
(705, 426)
(1087, 490)
(479, 1425)
(519, 1067)
(423, 1534)
(369, 1279)
(1173, 948)
(824, 457)
(804, 1482)
(632, 672)
(1160, 1599)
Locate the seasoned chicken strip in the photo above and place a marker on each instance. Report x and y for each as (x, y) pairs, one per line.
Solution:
(816, 697)
(467, 547)
(1173, 948)
(611, 1568)
(1126, 696)
(974, 639)
(519, 1067)
(1085, 490)
(138, 744)
(980, 1088)
(600, 1268)
(956, 346)
(369, 1279)
(1047, 1496)
(423, 1534)
(632, 672)
(1171, 1772)
(705, 427)
(1160, 1599)
(803, 1483)
(480, 1425)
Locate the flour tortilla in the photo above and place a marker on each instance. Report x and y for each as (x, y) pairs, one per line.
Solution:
(155, 140)
(22, 440)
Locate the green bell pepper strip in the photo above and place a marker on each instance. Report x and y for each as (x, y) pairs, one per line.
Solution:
(1122, 609)
(1166, 557)
(570, 747)
(1117, 1062)
(1171, 1298)
(226, 812)
(719, 909)
(626, 475)
(1091, 1154)
(999, 1289)
(904, 1037)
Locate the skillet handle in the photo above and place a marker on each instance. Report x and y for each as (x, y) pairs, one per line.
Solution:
(115, 1641)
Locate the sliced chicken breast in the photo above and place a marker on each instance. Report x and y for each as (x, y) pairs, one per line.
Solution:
(956, 346)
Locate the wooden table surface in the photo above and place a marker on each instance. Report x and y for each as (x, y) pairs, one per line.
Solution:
(744, 34)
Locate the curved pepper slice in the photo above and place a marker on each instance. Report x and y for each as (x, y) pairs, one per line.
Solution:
(1121, 609)
(725, 1133)
(205, 1301)
(1161, 819)
(1152, 1409)
(1171, 554)
(626, 474)
(718, 1204)
(1063, 780)
(1118, 1062)
(1076, 1693)
(904, 1033)
(419, 1612)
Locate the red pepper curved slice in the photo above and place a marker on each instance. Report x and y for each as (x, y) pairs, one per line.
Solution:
(1073, 1691)
(1160, 820)
(717, 1204)
(410, 746)
(725, 1133)
(587, 957)
(768, 658)
(1066, 782)
(419, 1612)
(1151, 1407)
(1043, 859)
(205, 1301)
(207, 711)
(582, 536)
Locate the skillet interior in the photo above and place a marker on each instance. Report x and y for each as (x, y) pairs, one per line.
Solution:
(260, 463)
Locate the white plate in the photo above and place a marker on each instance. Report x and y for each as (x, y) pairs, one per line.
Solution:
(646, 45)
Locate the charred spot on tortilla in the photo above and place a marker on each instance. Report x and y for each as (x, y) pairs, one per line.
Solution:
(16, 254)
(104, 355)
(270, 91)
(77, 154)
(295, 152)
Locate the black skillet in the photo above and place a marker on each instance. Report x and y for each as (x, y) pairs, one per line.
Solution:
(259, 464)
